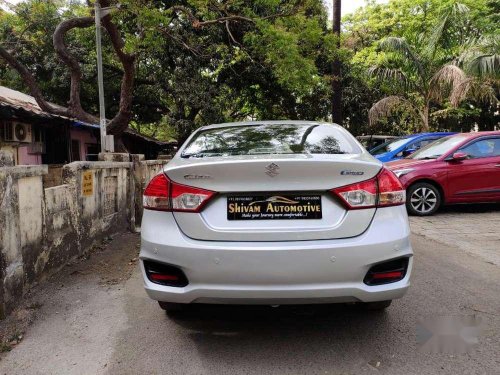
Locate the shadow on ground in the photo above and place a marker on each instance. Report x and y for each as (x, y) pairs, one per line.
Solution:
(310, 336)
(251, 318)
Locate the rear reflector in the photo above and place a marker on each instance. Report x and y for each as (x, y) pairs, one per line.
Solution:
(162, 277)
(381, 191)
(162, 194)
(387, 272)
(388, 275)
(165, 274)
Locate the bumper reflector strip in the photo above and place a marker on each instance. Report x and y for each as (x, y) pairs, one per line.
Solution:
(387, 272)
(165, 274)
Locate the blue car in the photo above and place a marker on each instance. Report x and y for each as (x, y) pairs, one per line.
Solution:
(401, 147)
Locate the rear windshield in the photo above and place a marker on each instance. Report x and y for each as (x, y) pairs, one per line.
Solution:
(271, 139)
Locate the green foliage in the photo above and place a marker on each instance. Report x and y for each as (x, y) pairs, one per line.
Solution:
(404, 44)
(271, 62)
(268, 67)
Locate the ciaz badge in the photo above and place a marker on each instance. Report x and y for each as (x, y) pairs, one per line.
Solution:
(196, 177)
(352, 173)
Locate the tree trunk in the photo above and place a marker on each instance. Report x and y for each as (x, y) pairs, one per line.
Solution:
(425, 118)
(337, 116)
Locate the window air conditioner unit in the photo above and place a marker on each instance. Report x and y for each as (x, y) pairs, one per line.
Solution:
(13, 131)
(21, 132)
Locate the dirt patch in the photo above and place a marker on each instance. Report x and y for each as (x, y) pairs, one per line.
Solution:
(111, 262)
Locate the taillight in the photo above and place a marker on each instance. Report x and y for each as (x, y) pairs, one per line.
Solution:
(381, 191)
(360, 195)
(162, 194)
(157, 194)
(390, 190)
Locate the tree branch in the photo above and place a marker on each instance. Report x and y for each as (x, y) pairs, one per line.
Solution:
(121, 120)
(196, 23)
(30, 81)
(74, 104)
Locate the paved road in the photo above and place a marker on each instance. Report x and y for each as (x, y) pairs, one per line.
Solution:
(474, 229)
(97, 320)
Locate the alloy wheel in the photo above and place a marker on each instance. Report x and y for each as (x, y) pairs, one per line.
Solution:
(423, 200)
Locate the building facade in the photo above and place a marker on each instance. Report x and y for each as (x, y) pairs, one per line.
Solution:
(35, 137)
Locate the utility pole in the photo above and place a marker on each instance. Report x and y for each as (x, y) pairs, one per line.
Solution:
(107, 143)
(337, 116)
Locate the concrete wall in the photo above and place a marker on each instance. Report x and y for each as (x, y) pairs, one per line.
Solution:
(54, 176)
(42, 229)
(21, 221)
(144, 171)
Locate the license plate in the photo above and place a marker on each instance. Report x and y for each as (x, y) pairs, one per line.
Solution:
(275, 207)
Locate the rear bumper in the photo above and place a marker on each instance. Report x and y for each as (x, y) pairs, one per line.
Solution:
(290, 272)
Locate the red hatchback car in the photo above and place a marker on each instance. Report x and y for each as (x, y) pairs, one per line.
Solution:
(463, 168)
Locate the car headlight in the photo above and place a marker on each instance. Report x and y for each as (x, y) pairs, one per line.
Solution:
(401, 172)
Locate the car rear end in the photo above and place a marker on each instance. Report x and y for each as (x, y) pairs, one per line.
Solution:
(275, 213)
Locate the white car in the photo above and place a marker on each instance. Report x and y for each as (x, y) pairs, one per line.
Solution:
(272, 213)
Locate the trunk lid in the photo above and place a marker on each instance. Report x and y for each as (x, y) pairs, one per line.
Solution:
(271, 176)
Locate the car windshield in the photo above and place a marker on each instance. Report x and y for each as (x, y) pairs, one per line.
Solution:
(265, 139)
(438, 148)
(389, 146)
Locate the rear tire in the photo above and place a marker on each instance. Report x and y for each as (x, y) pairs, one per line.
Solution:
(376, 306)
(423, 199)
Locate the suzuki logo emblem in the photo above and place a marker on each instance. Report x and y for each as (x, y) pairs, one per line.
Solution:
(272, 170)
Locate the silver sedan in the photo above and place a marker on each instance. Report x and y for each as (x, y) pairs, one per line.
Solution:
(275, 212)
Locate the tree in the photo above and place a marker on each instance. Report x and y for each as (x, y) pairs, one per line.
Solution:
(337, 116)
(481, 58)
(270, 67)
(74, 106)
(422, 74)
(185, 59)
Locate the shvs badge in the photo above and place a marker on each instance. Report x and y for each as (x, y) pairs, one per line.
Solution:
(274, 207)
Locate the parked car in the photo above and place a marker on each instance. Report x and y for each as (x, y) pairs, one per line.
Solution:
(464, 168)
(403, 147)
(372, 141)
(274, 213)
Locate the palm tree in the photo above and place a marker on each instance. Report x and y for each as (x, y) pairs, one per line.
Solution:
(337, 67)
(481, 58)
(419, 75)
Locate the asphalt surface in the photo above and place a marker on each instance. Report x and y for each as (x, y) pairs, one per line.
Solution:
(93, 322)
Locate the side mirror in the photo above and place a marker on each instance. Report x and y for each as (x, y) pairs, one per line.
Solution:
(458, 156)
(408, 152)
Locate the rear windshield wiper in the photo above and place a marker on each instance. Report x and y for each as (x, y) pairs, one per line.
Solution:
(202, 155)
(196, 155)
(212, 153)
